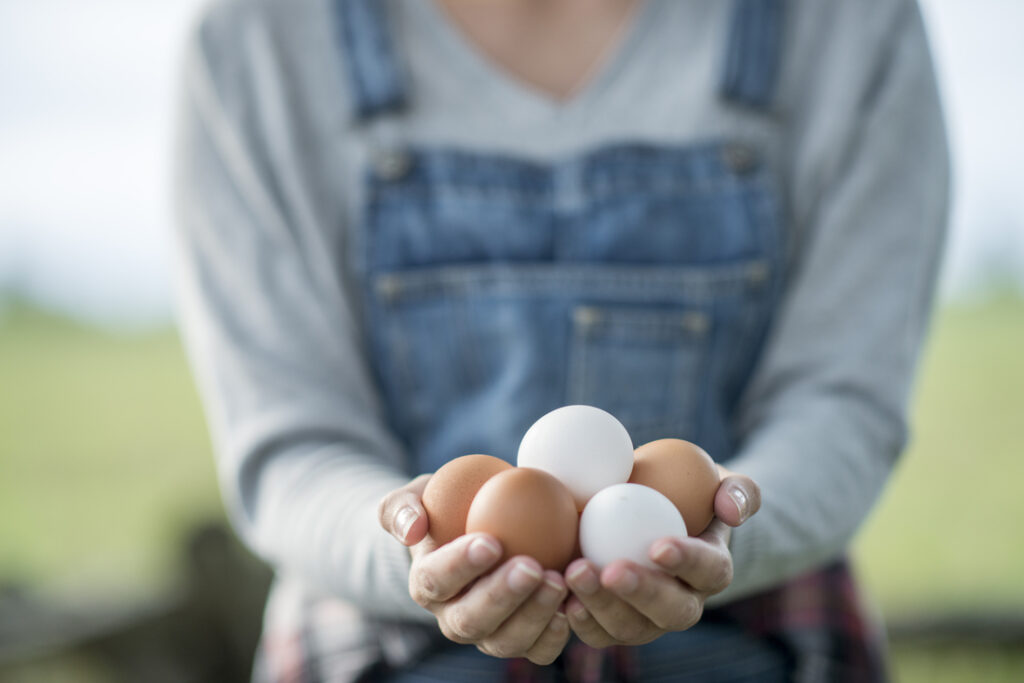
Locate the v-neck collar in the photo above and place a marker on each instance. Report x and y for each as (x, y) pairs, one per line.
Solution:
(511, 93)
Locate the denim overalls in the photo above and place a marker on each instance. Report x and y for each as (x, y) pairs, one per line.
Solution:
(640, 279)
(636, 278)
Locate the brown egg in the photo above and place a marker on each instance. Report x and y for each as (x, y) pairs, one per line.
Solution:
(684, 473)
(530, 512)
(450, 492)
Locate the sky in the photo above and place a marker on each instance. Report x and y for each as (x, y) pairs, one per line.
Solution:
(87, 97)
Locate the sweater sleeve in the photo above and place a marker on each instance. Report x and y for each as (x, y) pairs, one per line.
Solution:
(824, 418)
(303, 452)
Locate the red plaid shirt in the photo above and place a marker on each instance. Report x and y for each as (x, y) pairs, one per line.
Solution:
(818, 619)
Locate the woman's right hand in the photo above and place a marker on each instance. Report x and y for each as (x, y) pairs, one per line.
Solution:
(512, 611)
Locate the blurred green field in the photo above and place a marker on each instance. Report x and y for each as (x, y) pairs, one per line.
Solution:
(947, 532)
(104, 457)
(104, 461)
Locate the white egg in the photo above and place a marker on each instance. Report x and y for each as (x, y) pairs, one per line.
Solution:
(622, 521)
(584, 447)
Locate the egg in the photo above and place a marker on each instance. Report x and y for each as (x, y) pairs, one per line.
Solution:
(623, 521)
(684, 473)
(450, 491)
(530, 512)
(584, 447)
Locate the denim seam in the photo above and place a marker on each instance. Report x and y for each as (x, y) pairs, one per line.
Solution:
(680, 282)
(400, 192)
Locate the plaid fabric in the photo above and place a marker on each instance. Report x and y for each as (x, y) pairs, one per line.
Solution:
(817, 620)
(822, 620)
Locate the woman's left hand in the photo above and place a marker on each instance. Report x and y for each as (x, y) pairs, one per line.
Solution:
(627, 604)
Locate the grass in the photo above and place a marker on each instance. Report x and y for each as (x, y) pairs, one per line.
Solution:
(946, 533)
(104, 457)
(956, 665)
(104, 461)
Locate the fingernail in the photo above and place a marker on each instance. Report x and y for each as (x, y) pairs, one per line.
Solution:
(559, 622)
(523, 577)
(739, 497)
(404, 520)
(667, 554)
(626, 582)
(579, 613)
(483, 551)
(584, 580)
(551, 594)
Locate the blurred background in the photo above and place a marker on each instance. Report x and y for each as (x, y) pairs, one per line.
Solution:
(114, 560)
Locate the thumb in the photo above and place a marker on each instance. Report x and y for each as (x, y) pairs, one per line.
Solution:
(401, 512)
(738, 497)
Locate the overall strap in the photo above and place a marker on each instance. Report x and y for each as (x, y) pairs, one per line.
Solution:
(376, 80)
(753, 52)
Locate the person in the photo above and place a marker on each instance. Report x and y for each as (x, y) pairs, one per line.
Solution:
(408, 229)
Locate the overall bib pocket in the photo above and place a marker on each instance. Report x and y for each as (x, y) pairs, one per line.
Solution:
(646, 366)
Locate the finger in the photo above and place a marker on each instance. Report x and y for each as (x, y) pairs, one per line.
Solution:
(737, 498)
(704, 563)
(478, 613)
(551, 642)
(586, 628)
(442, 574)
(521, 631)
(401, 513)
(717, 534)
(620, 619)
(657, 596)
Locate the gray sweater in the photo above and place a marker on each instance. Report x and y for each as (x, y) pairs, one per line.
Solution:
(267, 185)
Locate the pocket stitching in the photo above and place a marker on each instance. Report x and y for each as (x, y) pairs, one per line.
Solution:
(692, 327)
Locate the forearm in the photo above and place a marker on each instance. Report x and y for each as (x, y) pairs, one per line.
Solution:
(311, 510)
(303, 448)
(820, 472)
